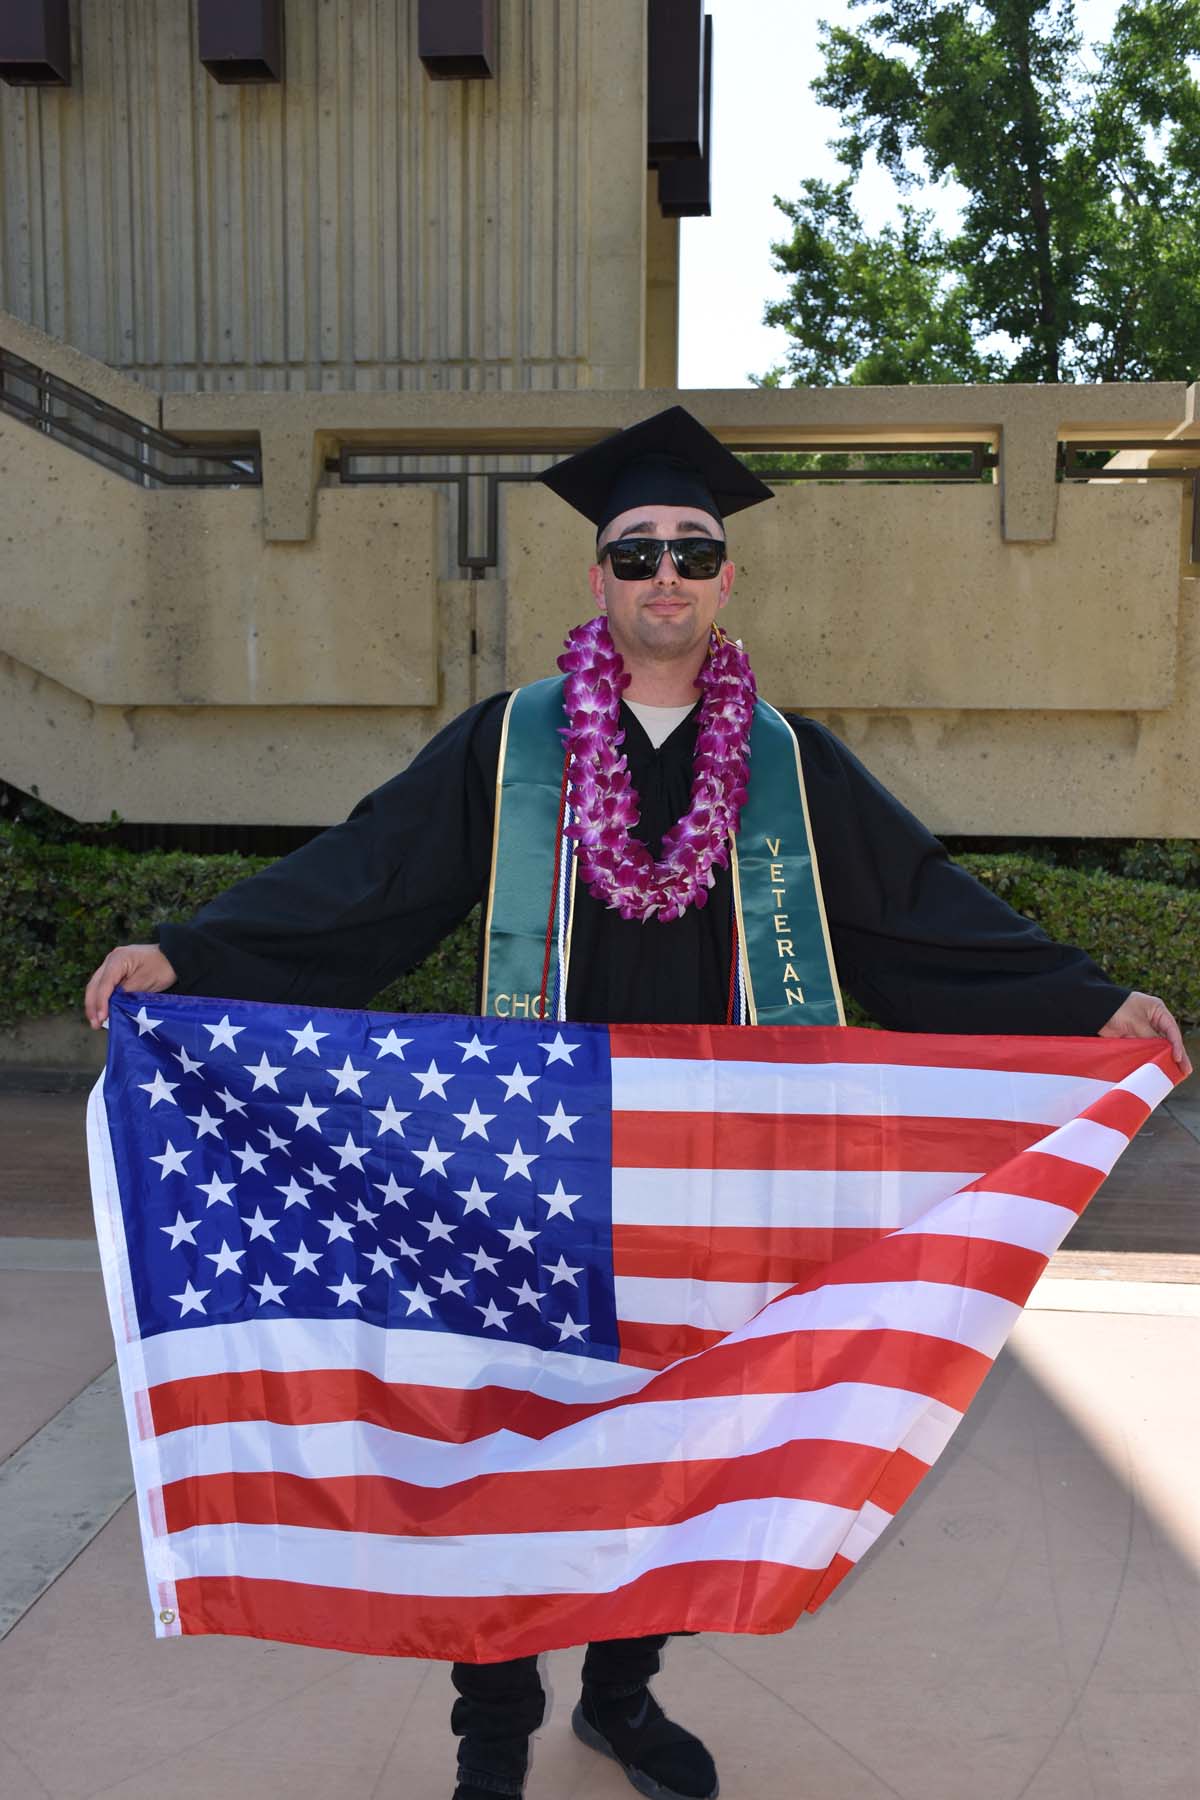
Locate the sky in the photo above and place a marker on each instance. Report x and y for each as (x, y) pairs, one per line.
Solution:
(768, 134)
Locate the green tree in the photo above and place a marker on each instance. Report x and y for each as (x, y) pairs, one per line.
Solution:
(1077, 257)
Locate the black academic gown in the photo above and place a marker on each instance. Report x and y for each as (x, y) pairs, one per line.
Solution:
(916, 940)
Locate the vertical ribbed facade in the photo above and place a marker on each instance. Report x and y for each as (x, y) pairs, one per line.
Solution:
(356, 226)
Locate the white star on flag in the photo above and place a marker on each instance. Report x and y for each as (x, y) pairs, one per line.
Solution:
(433, 1158)
(223, 1034)
(319, 1178)
(393, 1193)
(274, 1141)
(518, 1084)
(363, 1214)
(264, 1074)
(350, 1153)
(437, 1228)
(527, 1296)
(189, 1067)
(391, 1045)
(450, 1284)
(145, 1024)
(381, 1262)
(475, 1123)
(307, 1114)
(405, 1248)
(516, 1161)
(558, 1123)
(559, 1052)
(217, 1191)
(294, 1194)
(230, 1103)
(225, 1260)
(475, 1197)
(474, 1049)
(567, 1328)
(418, 1300)
(563, 1271)
(302, 1258)
(560, 1203)
(159, 1089)
(347, 1291)
(269, 1293)
(251, 1158)
(338, 1228)
(348, 1077)
(519, 1236)
(172, 1161)
(432, 1081)
(482, 1260)
(493, 1316)
(206, 1125)
(306, 1038)
(260, 1227)
(183, 1231)
(192, 1299)
(389, 1118)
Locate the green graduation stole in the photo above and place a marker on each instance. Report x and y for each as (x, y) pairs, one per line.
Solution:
(785, 968)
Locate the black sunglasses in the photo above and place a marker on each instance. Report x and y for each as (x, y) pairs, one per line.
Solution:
(637, 558)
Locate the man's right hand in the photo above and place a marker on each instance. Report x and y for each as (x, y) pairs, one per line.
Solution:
(141, 967)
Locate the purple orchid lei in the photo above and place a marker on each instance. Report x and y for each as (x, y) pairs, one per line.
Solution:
(616, 868)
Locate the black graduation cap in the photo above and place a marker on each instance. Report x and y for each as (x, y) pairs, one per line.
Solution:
(667, 460)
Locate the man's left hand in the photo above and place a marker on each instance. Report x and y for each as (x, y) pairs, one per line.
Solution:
(1143, 1016)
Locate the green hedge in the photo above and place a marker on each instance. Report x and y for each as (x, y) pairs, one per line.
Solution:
(63, 906)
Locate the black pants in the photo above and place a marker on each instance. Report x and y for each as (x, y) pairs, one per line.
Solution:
(500, 1704)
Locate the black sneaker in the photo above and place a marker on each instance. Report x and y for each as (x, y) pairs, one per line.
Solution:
(660, 1758)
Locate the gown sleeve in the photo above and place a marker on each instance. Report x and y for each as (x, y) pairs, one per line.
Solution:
(921, 944)
(366, 900)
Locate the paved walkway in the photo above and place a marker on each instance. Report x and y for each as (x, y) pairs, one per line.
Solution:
(1028, 1630)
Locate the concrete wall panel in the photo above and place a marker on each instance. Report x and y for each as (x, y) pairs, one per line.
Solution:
(907, 596)
(171, 597)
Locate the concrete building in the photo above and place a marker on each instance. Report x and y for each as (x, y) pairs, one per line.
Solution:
(277, 359)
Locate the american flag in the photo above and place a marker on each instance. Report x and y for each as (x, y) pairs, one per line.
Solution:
(471, 1338)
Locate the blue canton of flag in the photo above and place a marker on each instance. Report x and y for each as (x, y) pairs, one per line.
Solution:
(443, 1174)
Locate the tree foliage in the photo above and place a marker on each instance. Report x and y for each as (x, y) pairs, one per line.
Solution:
(1077, 257)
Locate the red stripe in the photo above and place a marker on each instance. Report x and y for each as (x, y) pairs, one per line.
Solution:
(836, 1573)
(702, 1596)
(789, 1362)
(900, 1476)
(593, 1499)
(733, 1252)
(1008, 1270)
(1120, 1111)
(668, 1140)
(1100, 1059)
(1039, 1175)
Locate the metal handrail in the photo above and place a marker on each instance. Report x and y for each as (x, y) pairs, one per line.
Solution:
(137, 449)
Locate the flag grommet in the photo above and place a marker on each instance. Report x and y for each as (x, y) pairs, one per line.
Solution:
(166, 1617)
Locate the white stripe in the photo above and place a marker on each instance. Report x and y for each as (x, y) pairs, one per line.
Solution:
(1149, 1083)
(865, 1529)
(929, 1308)
(1084, 1142)
(782, 1199)
(670, 1432)
(710, 1305)
(424, 1358)
(998, 1218)
(803, 1534)
(847, 1090)
(931, 1432)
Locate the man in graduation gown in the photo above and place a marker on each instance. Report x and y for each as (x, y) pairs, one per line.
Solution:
(914, 938)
